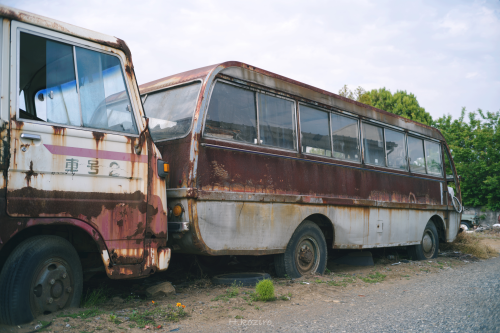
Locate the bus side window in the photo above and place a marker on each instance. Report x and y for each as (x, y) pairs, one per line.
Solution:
(373, 142)
(276, 122)
(395, 147)
(232, 114)
(345, 138)
(416, 154)
(315, 131)
(433, 158)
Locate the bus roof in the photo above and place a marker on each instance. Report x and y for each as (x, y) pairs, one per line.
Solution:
(289, 86)
(65, 28)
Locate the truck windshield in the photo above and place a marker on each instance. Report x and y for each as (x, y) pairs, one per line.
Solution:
(171, 111)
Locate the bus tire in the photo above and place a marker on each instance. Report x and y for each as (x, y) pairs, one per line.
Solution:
(466, 224)
(429, 245)
(42, 275)
(306, 253)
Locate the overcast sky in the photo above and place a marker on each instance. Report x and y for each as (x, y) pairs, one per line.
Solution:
(445, 52)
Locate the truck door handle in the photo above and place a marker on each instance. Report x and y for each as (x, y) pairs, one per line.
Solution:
(28, 136)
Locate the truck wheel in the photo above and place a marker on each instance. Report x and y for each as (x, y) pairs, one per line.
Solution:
(428, 247)
(305, 253)
(42, 275)
(465, 225)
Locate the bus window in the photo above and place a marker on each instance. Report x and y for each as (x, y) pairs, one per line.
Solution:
(232, 114)
(433, 158)
(373, 141)
(345, 138)
(416, 154)
(315, 131)
(171, 111)
(395, 148)
(276, 122)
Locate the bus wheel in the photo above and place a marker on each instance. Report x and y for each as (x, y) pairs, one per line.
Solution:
(465, 225)
(305, 253)
(42, 275)
(428, 247)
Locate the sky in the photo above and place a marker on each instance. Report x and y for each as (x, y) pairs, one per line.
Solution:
(447, 53)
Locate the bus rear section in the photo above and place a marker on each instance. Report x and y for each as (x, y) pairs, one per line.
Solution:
(265, 165)
(83, 188)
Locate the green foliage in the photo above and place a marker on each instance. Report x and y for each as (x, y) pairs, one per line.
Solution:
(94, 298)
(231, 292)
(82, 314)
(475, 148)
(374, 278)
(265, 290)
(149, 316)
(401, 103)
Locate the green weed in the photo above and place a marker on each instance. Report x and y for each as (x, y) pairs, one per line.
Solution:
(82, 314)
(374, 278)
(265, 290)
(94, 298)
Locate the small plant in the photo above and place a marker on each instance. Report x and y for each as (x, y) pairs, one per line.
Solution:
(284, 298)
(265, 290)
(257, 307)
(82, 314)
(238, 317)
(231, 292)
(94, 298)
(239, 308)
(327, 271)
(374, 278)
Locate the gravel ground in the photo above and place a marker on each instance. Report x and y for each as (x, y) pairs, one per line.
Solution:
(464, 299)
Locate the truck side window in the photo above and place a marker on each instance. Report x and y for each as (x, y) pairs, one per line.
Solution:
(48, 81)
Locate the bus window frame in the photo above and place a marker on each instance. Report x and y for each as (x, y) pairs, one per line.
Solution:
(330, 112)
(73, 42)
(392, 128)
(173, 87)
(258, 144)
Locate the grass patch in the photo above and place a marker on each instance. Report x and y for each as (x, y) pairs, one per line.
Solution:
(342, 283)
(94, 298)
(469, 244)
(231, 292)
(150, 316)
(82, 314)
(374, 278)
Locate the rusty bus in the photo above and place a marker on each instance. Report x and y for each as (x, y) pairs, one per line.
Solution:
(83, 185)
(262, 164)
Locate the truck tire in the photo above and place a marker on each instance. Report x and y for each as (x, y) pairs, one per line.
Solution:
(466, 224)
(306, 253)
(42, 275)
(429, 245)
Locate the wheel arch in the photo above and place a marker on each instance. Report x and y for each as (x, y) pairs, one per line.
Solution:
(440, 226)
(326, 226)
(84, 238)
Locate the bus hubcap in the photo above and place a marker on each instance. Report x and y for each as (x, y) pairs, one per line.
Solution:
(306, 257)
(51, 288)
(428, 244)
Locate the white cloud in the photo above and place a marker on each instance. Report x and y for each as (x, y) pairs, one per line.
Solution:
(436, 50)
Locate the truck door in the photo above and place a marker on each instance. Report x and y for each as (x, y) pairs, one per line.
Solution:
(73, 139)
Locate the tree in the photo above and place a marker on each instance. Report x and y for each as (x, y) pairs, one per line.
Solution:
(475, 147)
(401, 103)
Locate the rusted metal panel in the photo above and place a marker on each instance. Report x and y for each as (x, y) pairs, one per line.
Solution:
(235, 227)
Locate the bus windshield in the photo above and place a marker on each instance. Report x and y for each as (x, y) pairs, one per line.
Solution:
(170, 111)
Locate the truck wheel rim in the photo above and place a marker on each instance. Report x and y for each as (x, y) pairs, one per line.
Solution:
(428, 243)
(307, 255)
(51, 287)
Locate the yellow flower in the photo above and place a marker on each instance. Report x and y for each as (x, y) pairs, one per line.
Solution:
(183, 306)
(179, 304)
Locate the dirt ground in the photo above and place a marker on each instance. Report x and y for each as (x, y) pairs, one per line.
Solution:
(122, 306)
